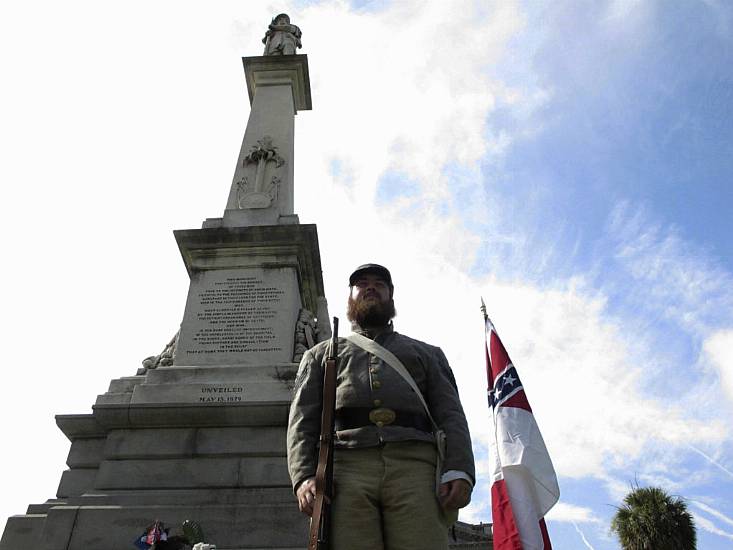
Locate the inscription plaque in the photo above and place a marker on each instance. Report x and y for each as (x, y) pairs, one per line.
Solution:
(221, 394)
(242, 316)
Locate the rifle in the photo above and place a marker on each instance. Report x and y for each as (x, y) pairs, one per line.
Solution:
(321, 518)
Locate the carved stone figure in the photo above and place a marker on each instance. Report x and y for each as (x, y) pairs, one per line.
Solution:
(305, 332)
(281, 37)
(164, 359)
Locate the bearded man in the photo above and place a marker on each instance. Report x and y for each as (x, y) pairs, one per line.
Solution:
(385, 451)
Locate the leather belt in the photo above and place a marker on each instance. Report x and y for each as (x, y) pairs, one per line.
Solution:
(351, 418)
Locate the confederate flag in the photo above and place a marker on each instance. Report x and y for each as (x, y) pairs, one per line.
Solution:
(524, 486)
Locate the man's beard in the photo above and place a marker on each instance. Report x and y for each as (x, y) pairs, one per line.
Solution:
(370, 313)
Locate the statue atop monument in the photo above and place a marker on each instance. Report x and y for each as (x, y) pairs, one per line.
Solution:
(281, 37)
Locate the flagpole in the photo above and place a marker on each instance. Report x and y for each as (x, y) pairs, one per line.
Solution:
(489, 389)
(492, 410)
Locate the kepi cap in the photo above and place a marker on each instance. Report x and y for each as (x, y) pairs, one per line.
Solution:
(376, 269)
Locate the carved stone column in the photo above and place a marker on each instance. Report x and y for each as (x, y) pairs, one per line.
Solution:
(262, 187)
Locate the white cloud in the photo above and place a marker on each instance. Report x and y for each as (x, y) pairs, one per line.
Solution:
(669, 274)
(717, 350)
(713, 512)
(710, 527)
(583, 537)
(711, 460)
(409, 92)
(585, 380)
(563, 511)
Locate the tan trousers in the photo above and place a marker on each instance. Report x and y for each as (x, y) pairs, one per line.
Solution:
(385, 499)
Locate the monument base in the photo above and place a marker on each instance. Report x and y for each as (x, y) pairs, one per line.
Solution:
(152, 449)
(82, 524)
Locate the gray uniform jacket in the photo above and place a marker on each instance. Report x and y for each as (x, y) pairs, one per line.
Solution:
(364, 382)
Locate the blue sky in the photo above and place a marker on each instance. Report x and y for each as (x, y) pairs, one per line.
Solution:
(568, 161)
(637, 113)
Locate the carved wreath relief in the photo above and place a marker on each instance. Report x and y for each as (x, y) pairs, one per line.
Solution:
(259, 190)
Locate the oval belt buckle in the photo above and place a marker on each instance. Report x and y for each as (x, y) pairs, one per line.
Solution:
(382, 416)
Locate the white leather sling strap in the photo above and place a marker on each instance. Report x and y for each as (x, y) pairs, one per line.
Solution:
(388, 357)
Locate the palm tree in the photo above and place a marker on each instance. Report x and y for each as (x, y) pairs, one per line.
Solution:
(650, 519)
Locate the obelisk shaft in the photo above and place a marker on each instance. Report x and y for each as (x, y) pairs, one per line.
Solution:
(262, 191)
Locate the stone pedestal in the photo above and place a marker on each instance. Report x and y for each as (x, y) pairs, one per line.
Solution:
(132, 464)
(248, 285)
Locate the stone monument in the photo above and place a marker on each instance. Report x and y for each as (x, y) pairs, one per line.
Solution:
(199, 432)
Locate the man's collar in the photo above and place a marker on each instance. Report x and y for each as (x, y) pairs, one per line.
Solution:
(372, 333)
